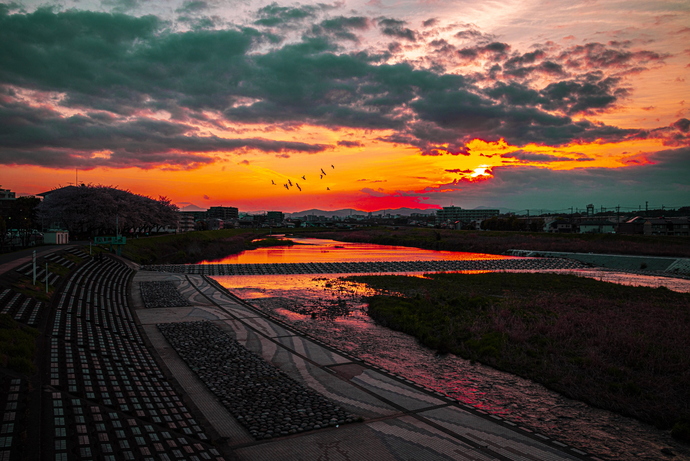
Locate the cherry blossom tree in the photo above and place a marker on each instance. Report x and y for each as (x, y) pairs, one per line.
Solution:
(91, 210)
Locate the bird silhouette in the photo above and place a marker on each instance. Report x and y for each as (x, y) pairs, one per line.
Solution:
(332, 167)
(304, 177)
(273, 182)
(300, 189)
(320, 176)
(290, 182)
(324, 173)
(286, 186)
(328, 188)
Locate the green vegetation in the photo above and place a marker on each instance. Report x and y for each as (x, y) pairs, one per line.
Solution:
(194, 247)
(25, 286)
(497, 242)
(616, 347)
(271, 242)
(17, 345)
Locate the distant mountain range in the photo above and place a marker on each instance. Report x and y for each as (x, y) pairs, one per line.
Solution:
(350, 211)
(192, 207)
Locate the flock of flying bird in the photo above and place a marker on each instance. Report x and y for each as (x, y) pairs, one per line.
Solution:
(289, 184)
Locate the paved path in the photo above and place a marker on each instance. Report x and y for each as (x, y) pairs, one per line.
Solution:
(399, 420)
(9, 261)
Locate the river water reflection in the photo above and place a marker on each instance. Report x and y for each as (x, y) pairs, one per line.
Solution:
(323, 250)
(333, 310)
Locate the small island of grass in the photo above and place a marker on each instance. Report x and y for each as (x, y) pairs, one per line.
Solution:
(616, 347)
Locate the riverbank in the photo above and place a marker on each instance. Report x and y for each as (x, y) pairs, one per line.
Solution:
(195, 247)
(502, 242)
(615, 347)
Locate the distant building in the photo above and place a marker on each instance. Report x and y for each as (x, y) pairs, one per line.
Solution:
(275, 217)
(455, 213)
(632, 226)
(6, 194)
(214, 224)
(196, 215)
(561, 225)
(667, 226)
(597, 227)
(226, 213)
(186, 221)
(56, 237)
(7, 197)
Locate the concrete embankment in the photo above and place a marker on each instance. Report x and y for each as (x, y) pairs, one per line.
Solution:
(620, 262)
(370, 267)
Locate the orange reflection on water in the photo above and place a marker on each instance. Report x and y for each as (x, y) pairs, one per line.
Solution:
(310, 250)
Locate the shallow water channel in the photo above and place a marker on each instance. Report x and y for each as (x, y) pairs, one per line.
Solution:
(333, 310)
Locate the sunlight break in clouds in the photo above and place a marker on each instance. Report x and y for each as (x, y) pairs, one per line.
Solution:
(432, 102)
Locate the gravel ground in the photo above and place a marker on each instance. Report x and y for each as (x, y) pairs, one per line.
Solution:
(263, 398)
(161, 294)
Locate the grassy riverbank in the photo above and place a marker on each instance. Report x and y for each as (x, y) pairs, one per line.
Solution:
(616, 347)
(17, 345)
(194, 247)
(500, 242)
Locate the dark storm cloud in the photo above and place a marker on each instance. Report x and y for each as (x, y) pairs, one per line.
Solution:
(599, 56)
(341, 27)
(396, 28)
(350, 143)
(117, 69)
(470, 32)
(677, 134)
(496, 51)
(42, 137)
(274, 15)
(526, 59)
(682, 125)
(527, 156)
(587, 95)
(193, 6)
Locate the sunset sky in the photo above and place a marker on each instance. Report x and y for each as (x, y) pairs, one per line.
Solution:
(411, 103)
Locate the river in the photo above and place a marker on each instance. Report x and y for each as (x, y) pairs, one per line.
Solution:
(333, 310)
